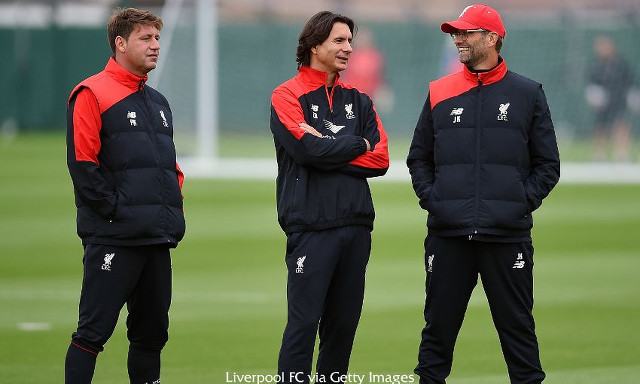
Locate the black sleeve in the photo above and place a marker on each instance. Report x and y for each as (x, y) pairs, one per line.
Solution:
(91, 187)
(420, 159)
(543, 151)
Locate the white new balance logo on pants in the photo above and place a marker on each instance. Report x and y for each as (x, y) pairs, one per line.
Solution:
(519, 262)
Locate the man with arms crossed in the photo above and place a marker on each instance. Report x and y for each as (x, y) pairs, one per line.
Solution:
(329, 140)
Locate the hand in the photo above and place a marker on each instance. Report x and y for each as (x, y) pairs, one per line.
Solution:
(310, 129)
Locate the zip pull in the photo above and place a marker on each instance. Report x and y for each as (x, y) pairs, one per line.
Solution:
(330, 97)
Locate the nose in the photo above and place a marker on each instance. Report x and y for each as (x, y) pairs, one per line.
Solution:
(155, 44)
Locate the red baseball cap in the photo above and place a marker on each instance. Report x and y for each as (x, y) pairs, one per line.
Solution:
(474, 17)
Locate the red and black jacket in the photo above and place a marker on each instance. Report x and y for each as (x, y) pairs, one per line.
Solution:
(484, 154)
(122, 161)
(322, 181)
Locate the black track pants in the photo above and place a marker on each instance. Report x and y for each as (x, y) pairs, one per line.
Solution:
(325, 291)
(114, 276)
(506, 270)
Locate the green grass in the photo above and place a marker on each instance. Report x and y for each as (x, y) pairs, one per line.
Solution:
(228, 311)
(253, 145)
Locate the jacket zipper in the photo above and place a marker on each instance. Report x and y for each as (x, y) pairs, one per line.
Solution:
(477, 183)
(152, 136)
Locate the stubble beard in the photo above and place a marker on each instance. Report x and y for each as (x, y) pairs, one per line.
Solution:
(473, 57)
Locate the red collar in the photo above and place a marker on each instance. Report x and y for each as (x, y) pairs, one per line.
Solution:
(314, 77)
(486, 78)
(463, 81)
(123, 76)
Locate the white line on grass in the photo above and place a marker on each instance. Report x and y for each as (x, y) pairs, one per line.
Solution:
(34, 327)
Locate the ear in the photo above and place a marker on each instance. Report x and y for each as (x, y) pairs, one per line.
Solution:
(121, 44)
(314, 50)
(493, 38)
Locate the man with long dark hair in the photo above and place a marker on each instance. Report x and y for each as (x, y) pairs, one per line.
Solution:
(329, 140)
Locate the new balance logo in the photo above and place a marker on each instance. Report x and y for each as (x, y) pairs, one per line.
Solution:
(107, 261)
(332, 127)
(457, 114)
(300, 263)
(519, 264)
(132, 118)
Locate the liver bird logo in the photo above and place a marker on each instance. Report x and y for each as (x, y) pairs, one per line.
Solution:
(300, 264)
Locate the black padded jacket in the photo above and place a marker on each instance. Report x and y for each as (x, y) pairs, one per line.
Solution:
(484, 154)
(122, 161)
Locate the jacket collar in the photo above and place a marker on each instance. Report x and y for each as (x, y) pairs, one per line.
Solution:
(314, 77)
(492, 76)
(123, 76)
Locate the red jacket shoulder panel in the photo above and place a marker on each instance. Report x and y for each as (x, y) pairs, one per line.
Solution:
(286, 105)
(285, 98)
(448, 87)
(460, 82)
(111, 85)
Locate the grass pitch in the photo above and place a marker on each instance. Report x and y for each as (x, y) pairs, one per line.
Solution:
(229, 306)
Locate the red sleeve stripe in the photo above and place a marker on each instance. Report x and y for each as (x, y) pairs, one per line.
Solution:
(180, 176)
(379, 157)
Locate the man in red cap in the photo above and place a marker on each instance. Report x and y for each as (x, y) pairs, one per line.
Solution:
(483, 157)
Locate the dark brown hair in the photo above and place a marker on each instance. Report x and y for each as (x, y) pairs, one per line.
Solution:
(316, 31)
(123, 21)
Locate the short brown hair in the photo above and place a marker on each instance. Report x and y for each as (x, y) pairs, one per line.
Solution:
(123, 21)
(499, 43)
(316, 31)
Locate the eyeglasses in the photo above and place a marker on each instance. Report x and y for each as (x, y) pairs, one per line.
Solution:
(464, 34)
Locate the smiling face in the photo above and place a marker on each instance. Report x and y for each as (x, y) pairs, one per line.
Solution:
(477, 50)
(333, 54)
(139, 53)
